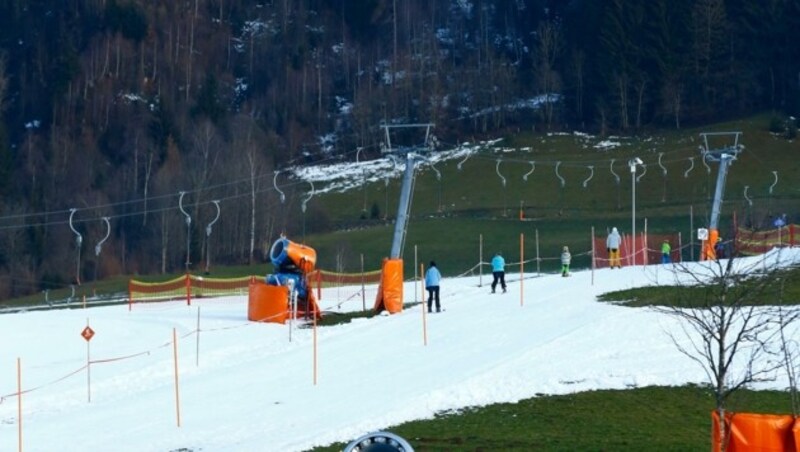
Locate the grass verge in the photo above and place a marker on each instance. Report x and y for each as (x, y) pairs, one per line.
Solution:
(650, 418)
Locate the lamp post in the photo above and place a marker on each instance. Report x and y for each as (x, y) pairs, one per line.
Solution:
(633, 163)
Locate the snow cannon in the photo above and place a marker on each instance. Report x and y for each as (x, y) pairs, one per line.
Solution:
(287, 292)
(289, 257)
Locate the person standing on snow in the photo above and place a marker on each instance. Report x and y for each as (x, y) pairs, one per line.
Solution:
(612, 246)
(566, 257)
(665, 250)
(498, 271)
(432, 278)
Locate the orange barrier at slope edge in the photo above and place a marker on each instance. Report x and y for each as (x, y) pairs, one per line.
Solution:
(750, 432)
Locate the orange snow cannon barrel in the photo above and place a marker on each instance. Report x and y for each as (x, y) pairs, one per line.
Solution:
(286, 254)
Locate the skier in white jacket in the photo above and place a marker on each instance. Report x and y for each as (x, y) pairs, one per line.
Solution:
(612, 246)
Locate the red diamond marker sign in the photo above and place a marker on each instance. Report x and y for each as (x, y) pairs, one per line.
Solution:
(87, 333)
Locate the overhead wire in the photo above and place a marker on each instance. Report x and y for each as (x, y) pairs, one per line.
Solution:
(478, 154)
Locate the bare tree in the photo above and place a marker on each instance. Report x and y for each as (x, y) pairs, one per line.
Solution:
(731, 323)
(672, 98)
(790, 350)
(548, 80)
(3, 81)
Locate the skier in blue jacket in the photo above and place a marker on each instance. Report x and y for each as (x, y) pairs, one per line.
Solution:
(498, 271)
(432, 278)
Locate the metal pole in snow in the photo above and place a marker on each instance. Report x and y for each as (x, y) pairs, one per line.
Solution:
(480, 260)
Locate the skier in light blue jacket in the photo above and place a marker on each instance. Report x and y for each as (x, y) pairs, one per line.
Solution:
(432, 278)
(498, 271)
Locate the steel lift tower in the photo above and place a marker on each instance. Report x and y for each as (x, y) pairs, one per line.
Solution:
(390, 291)
(725, 156)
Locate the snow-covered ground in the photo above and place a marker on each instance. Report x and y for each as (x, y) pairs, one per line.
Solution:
(250, 387)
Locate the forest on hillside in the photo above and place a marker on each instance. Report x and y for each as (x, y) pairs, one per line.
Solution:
(123, 109)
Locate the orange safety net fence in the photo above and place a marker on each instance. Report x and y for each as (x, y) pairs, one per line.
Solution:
(326, 279)
(750, 242)
(647, 249)
(191, 286)
(187, 287)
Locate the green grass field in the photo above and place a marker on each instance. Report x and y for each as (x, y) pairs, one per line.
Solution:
(635, 419)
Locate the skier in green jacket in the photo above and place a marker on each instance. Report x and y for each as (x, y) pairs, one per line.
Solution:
(665, 250)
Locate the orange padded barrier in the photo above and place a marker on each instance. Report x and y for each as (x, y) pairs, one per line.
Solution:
(267, 303)
(796, 434)
(390, 290)
(750, 432)
(709, 250)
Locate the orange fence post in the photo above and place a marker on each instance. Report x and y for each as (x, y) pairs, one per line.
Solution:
(130, 295)
(593, 251)
(363, 289)
(521, 267)
(88, 362)
(188, 290)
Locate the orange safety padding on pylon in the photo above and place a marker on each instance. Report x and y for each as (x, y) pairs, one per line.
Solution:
(755, 432)
(709, 246)
(266, 303)
(390, 290)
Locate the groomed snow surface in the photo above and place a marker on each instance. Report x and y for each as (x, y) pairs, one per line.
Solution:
(251, 386)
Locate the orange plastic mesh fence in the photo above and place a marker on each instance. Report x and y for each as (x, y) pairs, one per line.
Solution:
(648, 249)
(752, 242)
(150, 291)
(198, 287)
(217, 287)
(333, 279)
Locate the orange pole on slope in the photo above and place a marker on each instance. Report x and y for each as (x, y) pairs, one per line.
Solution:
(19, 403)
(88, 369)
(363, 290)
(315, 343)
(521, 267)
(177, 392)
(593, 258)
(130, 296)
(424, 316)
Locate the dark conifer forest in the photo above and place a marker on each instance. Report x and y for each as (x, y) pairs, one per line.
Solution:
(113, 107)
